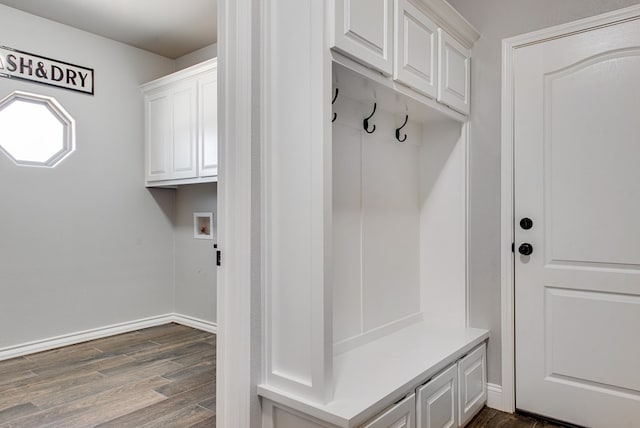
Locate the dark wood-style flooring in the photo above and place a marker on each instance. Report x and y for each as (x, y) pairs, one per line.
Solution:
(490, 418)
(157, 377)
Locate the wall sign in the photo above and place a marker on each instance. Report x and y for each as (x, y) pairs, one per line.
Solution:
(15, 64)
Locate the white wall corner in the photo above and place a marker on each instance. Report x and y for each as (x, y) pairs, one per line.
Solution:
(494, 397)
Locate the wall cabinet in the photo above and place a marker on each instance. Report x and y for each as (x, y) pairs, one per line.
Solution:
(181, 141)
(455, 69)
(403, 41)
(416, 49)
(363, 29)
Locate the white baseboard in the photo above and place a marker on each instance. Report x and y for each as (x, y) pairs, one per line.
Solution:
(494, 397)
(197, 323)
(100, 332)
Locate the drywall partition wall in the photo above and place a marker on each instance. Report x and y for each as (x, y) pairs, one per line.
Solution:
(495, 20)
(196, 57)
(84, 245)
(195, 292)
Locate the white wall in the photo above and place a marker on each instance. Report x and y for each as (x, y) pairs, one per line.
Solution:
(196, 272)
(84, 245)
(195, 57)
(498, 19)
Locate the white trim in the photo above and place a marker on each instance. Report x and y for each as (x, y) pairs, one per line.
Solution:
(447, 17)
(197, 323)
(509, 47)
(494, 397)
(100, 332)
(236, 34)
(376, 333)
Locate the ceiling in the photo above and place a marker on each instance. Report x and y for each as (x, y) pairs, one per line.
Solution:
(170, 28)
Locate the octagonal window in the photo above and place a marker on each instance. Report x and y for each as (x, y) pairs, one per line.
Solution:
(36, 130)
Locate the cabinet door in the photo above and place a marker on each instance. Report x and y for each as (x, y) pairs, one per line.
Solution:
(472, 383)
(401, 415)
(157, 108)
(183, 131)
(363, 30)
(416, 49)
(455, 63)
(208, 125)
(437, 405)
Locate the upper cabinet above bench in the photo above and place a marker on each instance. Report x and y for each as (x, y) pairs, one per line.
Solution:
(409, 41)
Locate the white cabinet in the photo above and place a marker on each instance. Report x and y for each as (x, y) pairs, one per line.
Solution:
(416, 49)
(472, 384)
(437, 401)
(405, 40)
(401, 415)
(181, 141)
(364, 29)
(455, 63)
(208, 125)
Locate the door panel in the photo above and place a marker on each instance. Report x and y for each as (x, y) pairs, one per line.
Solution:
(363, 30)
(573, 318)
(454, 62)
(416, 50)
(577, 148)
(596, 161)
(401, 415)
(437, 405)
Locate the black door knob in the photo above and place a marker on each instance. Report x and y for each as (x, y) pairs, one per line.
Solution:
(525, 249)
(526, 223)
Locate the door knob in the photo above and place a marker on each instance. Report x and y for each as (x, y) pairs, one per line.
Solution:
(525, 249)
(526, 223)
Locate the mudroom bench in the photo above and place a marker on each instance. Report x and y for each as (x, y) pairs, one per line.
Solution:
(419, 376)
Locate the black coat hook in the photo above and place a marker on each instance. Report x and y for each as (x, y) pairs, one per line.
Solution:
(335, 97)
(365, 123)
(406, 118)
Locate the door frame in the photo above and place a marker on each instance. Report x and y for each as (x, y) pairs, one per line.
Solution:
(237, 351)
(507, 256)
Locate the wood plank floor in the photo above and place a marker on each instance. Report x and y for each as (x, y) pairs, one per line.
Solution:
(157, 377)
(490, 418)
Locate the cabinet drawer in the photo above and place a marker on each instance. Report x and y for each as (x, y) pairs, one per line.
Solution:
(400, 415)
(472, 383)
(437, 401)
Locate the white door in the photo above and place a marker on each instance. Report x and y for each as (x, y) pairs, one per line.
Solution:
(577, 178)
